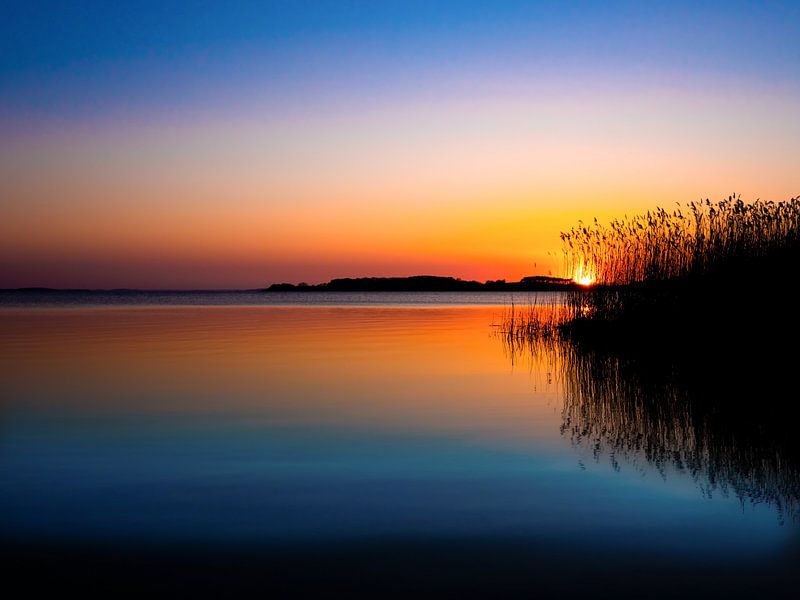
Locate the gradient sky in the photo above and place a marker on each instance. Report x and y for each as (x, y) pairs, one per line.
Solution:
(235, 144)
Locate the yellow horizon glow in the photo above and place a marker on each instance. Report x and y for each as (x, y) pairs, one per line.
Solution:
(475, 190)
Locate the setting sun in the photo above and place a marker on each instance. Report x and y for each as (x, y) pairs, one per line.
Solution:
(583, 276)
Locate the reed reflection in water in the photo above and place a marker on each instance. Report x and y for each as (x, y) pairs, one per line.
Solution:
(731, 428)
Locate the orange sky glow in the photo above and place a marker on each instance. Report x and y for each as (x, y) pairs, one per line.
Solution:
(469, 169)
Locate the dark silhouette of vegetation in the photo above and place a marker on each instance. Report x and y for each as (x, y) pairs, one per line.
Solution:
(681, 354)
(663, 245)
(428, 283)
(714, 271)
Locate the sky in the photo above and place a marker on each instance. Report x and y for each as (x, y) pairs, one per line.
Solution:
(214, 145)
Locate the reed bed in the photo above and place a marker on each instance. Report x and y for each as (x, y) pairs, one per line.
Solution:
(690, 241)
(701, 267)
(534, 320)
(686, 319)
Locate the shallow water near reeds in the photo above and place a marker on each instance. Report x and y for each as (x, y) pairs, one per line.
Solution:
(406, 434)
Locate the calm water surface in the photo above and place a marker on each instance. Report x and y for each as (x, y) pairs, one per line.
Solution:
(395, 422)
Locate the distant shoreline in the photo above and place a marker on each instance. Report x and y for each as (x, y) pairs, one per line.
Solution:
(418, 283)
(428, 283)
(48, 290)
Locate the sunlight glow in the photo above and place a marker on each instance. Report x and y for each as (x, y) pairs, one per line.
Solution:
(583, 277)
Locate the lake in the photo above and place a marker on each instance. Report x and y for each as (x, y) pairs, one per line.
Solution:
(388, 443)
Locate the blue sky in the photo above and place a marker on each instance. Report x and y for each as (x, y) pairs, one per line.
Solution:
(66, 59)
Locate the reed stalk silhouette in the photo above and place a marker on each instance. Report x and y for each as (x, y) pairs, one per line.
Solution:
(700, 267)
(682, 351)
(690, 241)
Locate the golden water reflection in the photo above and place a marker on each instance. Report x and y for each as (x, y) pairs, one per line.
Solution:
(434, 369)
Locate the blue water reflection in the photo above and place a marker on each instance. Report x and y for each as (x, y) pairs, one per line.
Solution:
(292, 426)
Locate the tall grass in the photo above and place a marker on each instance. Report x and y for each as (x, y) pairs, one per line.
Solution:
(690, 241)
(691, 318)
(700, 267)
